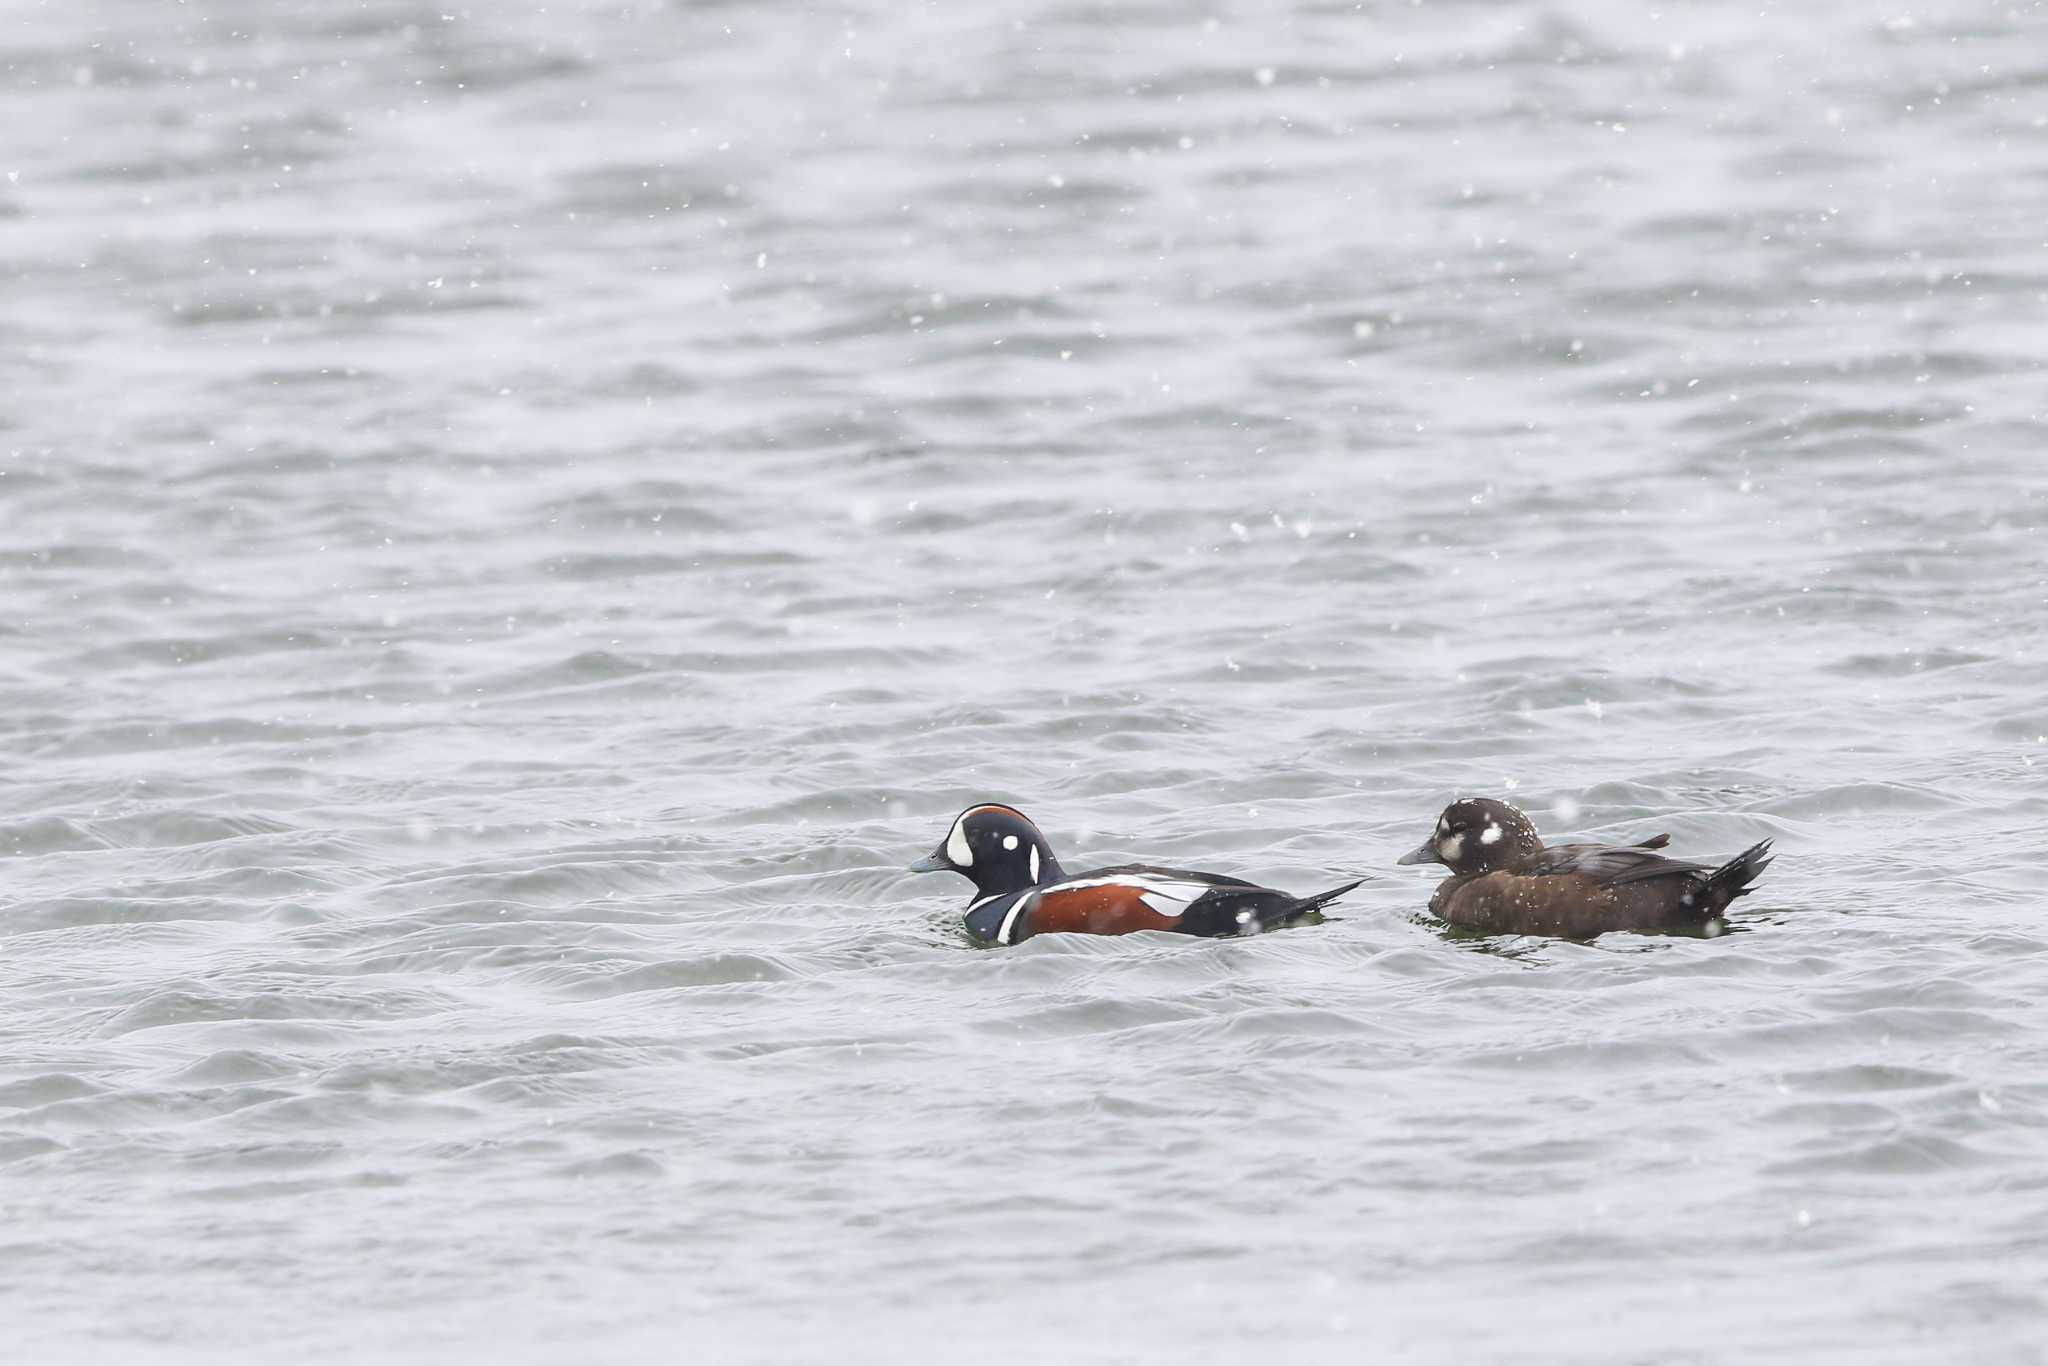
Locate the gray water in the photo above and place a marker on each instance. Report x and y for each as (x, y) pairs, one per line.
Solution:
(518, 521)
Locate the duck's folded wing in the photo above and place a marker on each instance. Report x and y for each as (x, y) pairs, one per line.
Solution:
(1116, 901)
(1611, 865)
(1147, 872)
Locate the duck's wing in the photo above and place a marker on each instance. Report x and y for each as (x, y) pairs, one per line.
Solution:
(1167, 891)
(1147, 871)
(1611, 865)
(1132, 896)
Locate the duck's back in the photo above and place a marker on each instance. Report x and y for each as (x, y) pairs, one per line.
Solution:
(1577, 891)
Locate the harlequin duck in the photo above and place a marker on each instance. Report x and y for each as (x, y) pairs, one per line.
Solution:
(1504, 881)
(1021, 890)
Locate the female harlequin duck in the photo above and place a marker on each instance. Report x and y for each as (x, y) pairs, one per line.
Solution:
(1022, 891)
(1503, 880)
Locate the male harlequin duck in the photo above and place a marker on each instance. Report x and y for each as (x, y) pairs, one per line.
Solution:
(1022, 891)
(1504, 881)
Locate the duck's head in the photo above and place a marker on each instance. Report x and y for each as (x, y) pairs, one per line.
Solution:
(1476, 834)
(996, 848)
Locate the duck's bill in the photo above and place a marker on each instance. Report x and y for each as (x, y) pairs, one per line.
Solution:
(1424, 852)
(934, 862)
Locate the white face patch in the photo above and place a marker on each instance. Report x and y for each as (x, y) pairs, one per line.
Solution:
(1451, 848)
(1443, 825)
(1491, 836)
(1034, 863)
(957, 847)
(1009, 841)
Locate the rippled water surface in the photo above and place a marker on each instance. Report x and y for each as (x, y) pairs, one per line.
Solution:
(518, 521)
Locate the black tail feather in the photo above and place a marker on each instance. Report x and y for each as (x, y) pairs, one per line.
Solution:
(1254, 910)
(1322, 899)
(1732, 878)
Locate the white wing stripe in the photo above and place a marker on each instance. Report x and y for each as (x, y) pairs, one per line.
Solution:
(1168, 896)
(1174, 887)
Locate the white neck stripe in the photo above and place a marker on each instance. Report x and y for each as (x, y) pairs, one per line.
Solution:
(1010, 920)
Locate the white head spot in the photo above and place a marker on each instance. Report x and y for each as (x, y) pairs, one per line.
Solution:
(957, 847)
(1009, 841)
(1491, 836)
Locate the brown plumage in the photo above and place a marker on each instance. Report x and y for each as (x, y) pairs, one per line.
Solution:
(1504, 880)
(1113, 908)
